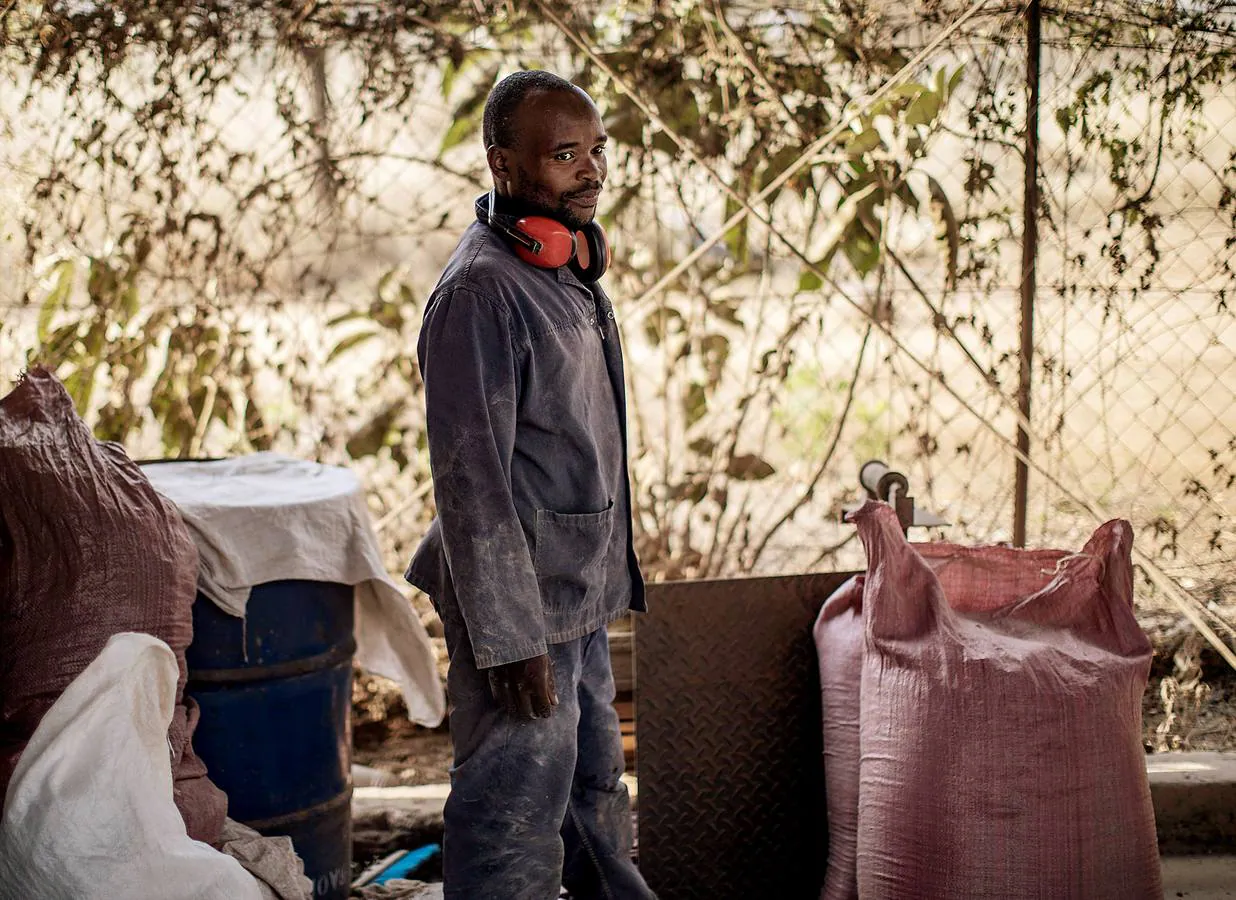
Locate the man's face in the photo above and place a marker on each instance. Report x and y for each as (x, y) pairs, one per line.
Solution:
(558, 162)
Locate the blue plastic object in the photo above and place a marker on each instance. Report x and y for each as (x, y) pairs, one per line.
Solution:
(408, 863)
(275, 692)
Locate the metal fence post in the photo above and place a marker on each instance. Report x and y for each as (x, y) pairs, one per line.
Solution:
(1029, 249)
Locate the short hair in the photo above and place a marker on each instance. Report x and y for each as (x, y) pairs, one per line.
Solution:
(498, 128)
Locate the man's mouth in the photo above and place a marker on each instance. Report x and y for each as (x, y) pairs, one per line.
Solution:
(585, 198)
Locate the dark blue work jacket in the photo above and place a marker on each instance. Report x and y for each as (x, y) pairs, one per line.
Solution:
(526, 419)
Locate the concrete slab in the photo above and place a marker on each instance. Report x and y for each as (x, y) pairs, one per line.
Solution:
(1191, 768)
(426, 798)
(1184, 878)
(1194, 801)
(1199, 877)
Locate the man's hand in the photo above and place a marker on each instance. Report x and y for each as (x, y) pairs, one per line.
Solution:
(525, 688)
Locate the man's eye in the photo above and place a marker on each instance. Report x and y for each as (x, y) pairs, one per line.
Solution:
(600, 150)
(566, 156)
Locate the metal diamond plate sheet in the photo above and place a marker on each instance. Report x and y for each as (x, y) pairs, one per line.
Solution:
(731, 788)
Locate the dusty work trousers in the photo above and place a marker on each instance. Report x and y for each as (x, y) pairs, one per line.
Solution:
(537, 804)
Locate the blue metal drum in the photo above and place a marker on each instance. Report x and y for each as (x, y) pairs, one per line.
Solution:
(275, 691)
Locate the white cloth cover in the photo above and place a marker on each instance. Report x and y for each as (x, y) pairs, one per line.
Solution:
(267, 517)
(89, 812)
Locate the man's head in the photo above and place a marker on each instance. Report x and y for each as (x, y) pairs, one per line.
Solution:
(546, 146)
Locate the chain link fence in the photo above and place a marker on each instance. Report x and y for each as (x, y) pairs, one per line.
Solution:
(1132, 404)
(754, 397)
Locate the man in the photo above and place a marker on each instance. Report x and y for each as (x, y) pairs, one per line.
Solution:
(531, 554)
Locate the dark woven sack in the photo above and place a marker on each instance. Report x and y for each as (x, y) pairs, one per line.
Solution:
(88, 549)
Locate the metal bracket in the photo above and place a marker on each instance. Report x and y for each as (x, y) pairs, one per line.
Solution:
(891, 487)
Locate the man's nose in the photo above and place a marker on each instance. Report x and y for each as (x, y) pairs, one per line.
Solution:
(593, 171)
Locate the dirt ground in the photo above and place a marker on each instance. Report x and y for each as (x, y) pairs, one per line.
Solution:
(1200, 687)
(414, 755)
(384, 739)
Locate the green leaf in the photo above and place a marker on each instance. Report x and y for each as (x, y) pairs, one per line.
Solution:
(840, 226)
(861, 249)
(80, 386)
(749, 467)
(695, 403)
(863, 142)
(886, 106)
(468, 116)
(451, 72)
(1065, 118)
(388, 314)
(910, 89)
(130, 302)
(954, 80)
(736, 237)
(59, 344)
(809, 281)
(351, 342)
(384, 282)
(56, 298)
(778, 163)
(464, 127)
(924, 109)
(348, 316)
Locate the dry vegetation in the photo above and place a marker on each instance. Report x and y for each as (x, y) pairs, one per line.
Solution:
(219, 222)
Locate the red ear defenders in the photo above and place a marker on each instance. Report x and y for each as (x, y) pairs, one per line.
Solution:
(548, 244)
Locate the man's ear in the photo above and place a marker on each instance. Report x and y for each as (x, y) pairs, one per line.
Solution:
(500, 168)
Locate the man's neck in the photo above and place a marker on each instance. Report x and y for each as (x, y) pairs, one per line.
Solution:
(507, 205)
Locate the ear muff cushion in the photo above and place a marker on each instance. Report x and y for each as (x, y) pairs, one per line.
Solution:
(557, 243)
(592, 254)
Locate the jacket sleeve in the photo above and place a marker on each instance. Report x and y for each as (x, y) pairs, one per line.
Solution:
(468, 363)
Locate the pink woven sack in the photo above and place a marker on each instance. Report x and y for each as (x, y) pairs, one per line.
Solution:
(973, 578)
(88, 549)
(839, 645)
(1000, 724)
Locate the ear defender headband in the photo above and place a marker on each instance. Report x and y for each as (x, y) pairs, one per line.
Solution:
(548, 244)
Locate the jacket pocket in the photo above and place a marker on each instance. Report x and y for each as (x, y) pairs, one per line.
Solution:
(570, 554)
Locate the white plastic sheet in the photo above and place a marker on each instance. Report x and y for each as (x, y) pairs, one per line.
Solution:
(89, 812)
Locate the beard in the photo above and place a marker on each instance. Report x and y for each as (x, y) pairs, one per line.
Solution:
(539, 200)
